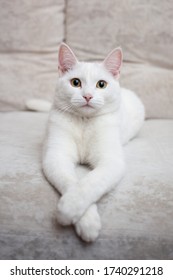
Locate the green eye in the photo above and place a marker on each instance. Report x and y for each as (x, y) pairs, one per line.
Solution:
(101, 84)
(75, 82)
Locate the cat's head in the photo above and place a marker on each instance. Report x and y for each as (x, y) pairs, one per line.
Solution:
(87, 89)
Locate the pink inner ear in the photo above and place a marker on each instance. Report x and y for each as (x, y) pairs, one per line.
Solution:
(67, 58)
(113, 62)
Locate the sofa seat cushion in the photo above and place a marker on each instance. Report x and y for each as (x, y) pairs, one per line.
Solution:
(136, 215)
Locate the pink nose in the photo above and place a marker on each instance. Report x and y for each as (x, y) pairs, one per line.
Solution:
(88, 97)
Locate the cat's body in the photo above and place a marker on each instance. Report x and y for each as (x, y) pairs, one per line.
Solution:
(90, 121)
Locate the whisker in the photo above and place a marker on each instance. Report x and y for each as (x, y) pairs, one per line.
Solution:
(65, 108)
(77, 99)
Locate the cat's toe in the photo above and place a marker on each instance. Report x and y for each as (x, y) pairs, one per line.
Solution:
(88, 232)
(88, 227)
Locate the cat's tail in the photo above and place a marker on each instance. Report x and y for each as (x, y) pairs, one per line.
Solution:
(39, 105)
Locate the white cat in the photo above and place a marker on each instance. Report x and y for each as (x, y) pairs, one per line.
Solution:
(90, 121)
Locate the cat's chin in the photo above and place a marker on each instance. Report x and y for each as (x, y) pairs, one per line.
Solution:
(87, 110)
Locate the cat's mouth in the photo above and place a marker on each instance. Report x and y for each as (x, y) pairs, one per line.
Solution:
(87, 106)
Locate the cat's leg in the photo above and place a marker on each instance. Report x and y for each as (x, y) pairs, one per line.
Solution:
(106, 174)
(61, 173)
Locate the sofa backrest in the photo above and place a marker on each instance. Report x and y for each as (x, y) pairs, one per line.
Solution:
(31, 31)
(144, 30)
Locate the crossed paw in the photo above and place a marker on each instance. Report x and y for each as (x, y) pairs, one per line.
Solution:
(74, 209)
(71, 207)
(88, 227)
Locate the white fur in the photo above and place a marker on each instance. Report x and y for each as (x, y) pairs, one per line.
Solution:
(88, 135)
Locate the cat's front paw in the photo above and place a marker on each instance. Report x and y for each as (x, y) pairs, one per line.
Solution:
(88, 227)
(71, 207)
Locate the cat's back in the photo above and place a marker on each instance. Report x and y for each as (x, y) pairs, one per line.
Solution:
(131, 99)
(133, 113)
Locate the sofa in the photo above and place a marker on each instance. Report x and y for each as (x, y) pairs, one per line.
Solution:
(137, 215)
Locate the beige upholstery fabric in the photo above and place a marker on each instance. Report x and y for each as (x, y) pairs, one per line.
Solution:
(30, 32)
(143, 29)
(153, 84)
(139, 209)
(145, 32)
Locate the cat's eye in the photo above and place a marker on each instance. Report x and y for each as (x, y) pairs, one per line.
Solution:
(75, 82)
(101, 84)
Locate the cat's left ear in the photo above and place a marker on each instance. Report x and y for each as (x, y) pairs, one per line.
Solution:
(66, 59)
(113, 62)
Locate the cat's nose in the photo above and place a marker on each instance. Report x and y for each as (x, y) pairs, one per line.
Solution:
(87, 97)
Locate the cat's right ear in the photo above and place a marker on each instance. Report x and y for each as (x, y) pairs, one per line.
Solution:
(66, 59)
